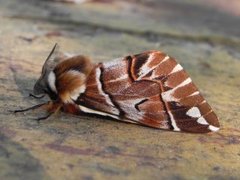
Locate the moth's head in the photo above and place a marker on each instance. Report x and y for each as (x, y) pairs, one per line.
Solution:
(45, 84)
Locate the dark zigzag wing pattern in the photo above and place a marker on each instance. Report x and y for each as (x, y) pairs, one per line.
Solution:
(150, 88)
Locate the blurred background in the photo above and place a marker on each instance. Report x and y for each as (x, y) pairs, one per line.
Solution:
(203, 35)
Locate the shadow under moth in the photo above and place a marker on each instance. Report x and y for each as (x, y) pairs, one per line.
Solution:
(149, 88)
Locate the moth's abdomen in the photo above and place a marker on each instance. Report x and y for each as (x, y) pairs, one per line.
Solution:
(150, 88)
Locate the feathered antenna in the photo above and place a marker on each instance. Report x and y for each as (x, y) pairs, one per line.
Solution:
(47, 64)
(40, 85)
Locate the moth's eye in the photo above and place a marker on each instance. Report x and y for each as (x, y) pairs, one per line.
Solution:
(46, 90)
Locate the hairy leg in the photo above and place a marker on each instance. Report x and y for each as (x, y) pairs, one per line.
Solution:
(53, 109)
(30, 108)
(50, 107)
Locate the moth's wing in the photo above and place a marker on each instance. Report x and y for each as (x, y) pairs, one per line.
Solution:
(111, 91)
(96, 99)
(149, 88)
(186, 107)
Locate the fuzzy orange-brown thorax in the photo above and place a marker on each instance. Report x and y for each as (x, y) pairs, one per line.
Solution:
(71, 75)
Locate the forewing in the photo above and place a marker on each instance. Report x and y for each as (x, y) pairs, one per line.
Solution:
(150, 88)
(110, 90)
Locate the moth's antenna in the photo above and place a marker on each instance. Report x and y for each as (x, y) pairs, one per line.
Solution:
(51, 53)
(47, 63)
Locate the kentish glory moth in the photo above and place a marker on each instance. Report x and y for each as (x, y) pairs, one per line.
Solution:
(149, 88)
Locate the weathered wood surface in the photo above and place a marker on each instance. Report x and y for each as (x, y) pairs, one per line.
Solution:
(204, 38)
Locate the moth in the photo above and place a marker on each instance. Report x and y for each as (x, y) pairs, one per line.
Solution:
(149, 89)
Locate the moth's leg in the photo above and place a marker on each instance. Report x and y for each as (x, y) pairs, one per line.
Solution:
(36, 97)
(50, 107)
(43, 117)
(30, 108)
(71, 108)
(53, 108)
